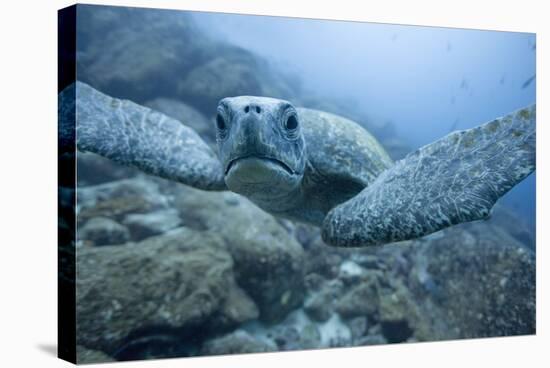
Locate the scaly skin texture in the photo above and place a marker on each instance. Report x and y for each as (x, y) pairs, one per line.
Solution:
(134, 135)
(455, 179)
(340, 147)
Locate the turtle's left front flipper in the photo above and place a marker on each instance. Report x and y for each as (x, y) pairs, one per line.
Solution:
(137, 136)
(453, 180)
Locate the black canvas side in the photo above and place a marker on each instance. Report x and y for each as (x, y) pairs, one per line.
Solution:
(66, 318)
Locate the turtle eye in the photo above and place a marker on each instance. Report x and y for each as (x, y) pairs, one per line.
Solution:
(291, 122)
(221, 125)
(220, 122)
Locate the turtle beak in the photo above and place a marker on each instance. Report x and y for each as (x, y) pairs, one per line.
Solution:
(259, 157)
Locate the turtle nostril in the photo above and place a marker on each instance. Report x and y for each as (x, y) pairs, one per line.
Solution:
(254, 107)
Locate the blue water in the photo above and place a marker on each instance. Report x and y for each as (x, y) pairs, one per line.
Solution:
(428, 81)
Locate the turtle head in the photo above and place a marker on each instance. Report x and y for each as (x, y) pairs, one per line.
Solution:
(261, 146)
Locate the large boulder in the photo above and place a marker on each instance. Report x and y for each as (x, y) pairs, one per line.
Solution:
(135, 53)
(181, 282)
(268, 260)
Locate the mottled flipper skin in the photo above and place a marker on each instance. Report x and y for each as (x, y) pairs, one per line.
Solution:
(453, 180)
(134, 135)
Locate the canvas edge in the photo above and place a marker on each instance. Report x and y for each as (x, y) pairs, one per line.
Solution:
(66, 174)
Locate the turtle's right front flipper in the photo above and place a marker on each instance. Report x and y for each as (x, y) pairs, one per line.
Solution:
(455, 179)
(137, 136)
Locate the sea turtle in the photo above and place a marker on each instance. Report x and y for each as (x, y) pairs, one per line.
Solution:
(312, 166)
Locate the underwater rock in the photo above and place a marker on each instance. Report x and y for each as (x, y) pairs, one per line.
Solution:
(313, 281)
(306, 234)
(132, 53)
(119, 198)
(88, 356)
(395, 312)
(361, 300)
(358, 327)
(221, 77)
(295, 332)
(393, 305)
(235, 71)
(268, 260)
(103, 231)
(94, 169)
(181, 282)
(324, 260)
(186, 114)
(319, 305)
(483, 281)
(237, 342)
(335, 333)
(502, 216)
(153, 223)
(297, 337)
(474, 280)
(367, 261)
(350, 272)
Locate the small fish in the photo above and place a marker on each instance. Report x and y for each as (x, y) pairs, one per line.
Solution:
(464, 84)
(449, 46)
(528, 82)
(453, 100)
(394, 37)
(502, 79)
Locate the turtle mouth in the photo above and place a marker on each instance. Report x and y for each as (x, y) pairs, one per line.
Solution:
(261, 158)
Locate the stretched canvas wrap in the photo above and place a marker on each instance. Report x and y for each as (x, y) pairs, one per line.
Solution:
(235, 184)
